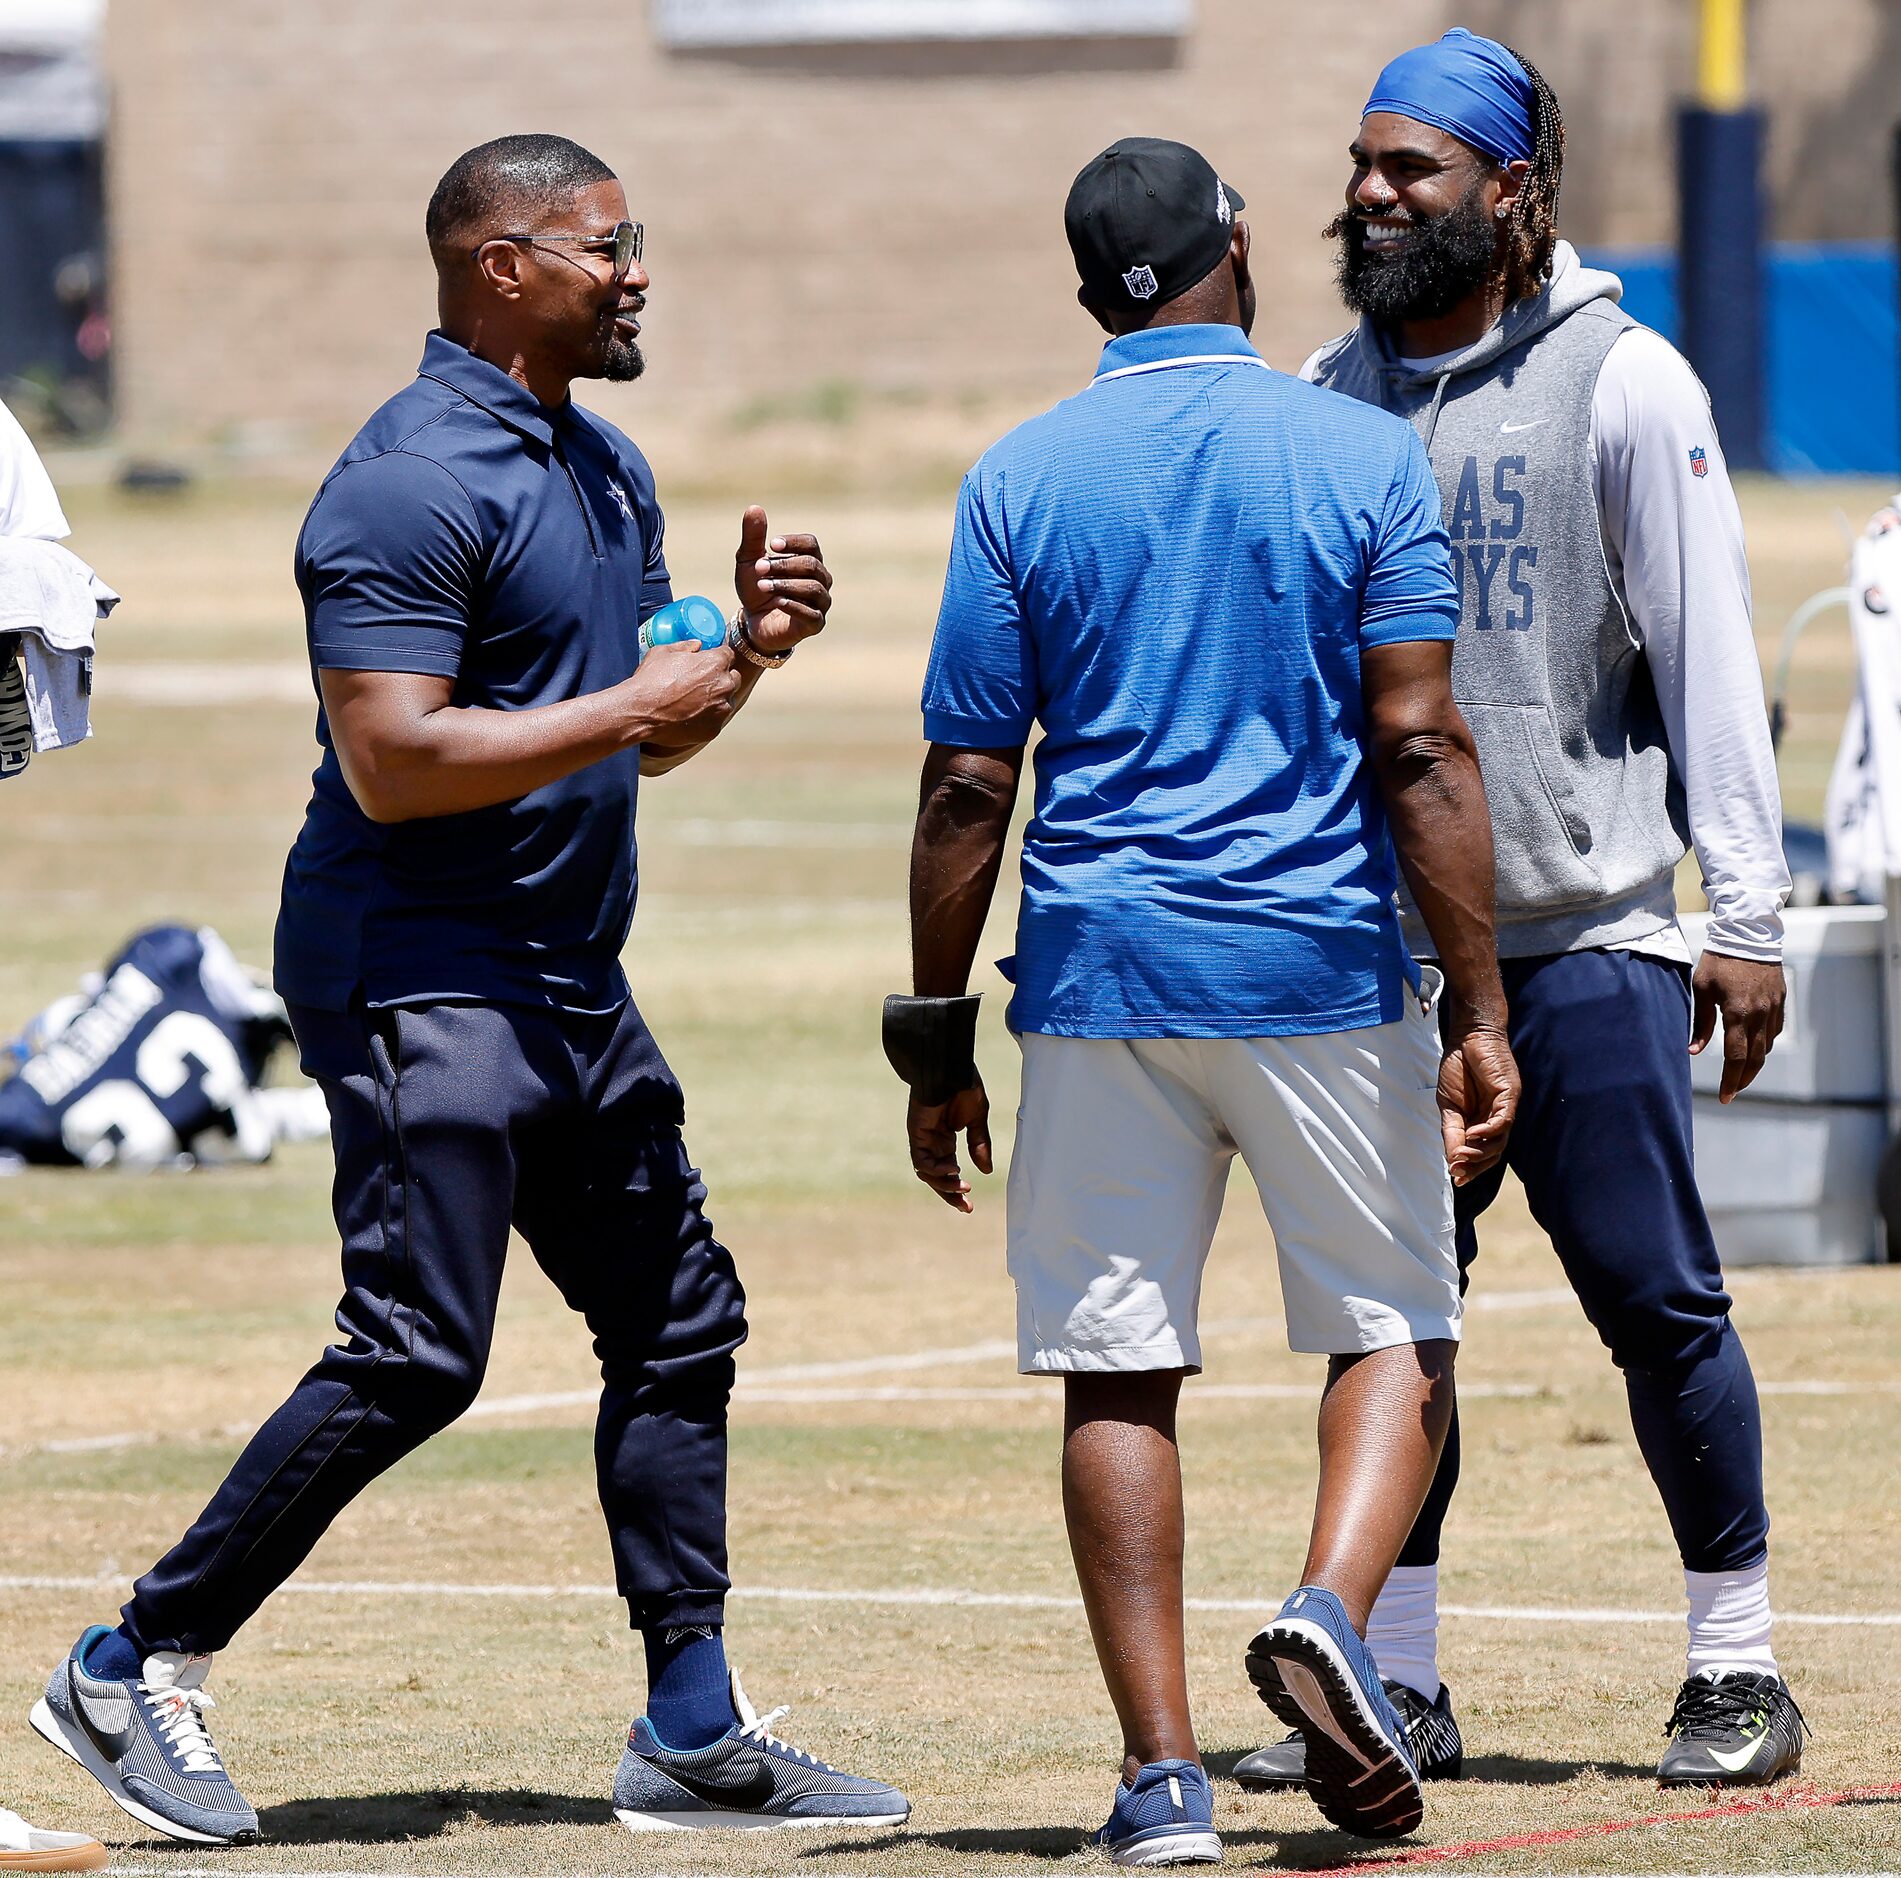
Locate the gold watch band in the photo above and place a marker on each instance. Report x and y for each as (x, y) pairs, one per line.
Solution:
(743, 645)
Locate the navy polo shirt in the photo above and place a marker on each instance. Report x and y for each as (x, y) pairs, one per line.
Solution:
(473, 533)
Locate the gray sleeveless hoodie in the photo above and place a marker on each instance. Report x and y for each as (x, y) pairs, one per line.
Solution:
(1587, 809)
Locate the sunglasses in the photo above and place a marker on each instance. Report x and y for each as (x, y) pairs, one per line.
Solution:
(623, 246)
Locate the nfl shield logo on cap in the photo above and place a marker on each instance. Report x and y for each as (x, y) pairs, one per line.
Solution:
(1146, 219)
(1699, 461)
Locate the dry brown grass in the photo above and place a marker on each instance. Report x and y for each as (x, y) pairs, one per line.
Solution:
(437, 1735)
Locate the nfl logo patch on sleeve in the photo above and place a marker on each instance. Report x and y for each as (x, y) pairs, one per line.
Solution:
(1699, 461)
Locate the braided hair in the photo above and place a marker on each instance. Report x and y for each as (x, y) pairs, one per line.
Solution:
(1532, 232)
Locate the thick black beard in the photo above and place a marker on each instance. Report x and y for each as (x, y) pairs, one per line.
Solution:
(624, 361)
(1447, 259)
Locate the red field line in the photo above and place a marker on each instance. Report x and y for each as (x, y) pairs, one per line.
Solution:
(1791, 1799)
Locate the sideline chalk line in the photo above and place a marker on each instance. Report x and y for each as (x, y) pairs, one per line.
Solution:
(1790, 1800)
(932, 1596)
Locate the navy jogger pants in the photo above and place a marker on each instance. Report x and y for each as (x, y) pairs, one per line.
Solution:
(450, 1123)
(1602, 1146)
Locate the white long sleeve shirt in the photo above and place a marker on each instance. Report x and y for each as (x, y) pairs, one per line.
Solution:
(1673, 547)
(29, 505)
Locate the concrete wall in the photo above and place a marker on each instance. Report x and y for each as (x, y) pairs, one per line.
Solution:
(888, 216)
(1829, 72)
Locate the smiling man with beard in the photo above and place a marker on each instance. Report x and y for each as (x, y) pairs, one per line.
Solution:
(1606, 665)
(474, 573)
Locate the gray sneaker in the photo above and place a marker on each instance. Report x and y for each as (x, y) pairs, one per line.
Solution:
(143, 1739)
(747, 1779)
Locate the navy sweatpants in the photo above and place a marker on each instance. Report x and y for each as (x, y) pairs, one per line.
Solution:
(450, 1122)
(1602, 1145)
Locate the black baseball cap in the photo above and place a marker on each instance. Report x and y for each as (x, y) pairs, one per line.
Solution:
(1147, 219)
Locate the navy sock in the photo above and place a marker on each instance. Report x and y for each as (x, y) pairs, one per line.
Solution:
(115, 1657)
(689, 1697)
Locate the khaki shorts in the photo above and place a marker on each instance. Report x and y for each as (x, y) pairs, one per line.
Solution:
(1121, 1161)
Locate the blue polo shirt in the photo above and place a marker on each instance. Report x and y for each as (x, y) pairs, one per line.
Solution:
(1174, 573)
(472, 533)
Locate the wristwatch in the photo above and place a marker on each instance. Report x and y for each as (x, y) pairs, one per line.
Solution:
(747, 650)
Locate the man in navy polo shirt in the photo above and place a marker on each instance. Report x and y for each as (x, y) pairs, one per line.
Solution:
(1228, 603)
(474, 572)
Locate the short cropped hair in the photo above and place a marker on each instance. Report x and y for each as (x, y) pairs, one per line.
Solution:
(503, 185)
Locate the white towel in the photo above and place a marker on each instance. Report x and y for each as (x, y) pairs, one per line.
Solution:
(53, 600)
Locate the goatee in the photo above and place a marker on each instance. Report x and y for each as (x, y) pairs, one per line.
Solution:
(1443, 260)
(624, 361)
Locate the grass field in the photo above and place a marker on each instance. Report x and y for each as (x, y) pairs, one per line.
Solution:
(446, 1690)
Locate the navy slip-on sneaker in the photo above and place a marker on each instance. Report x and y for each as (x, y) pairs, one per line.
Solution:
(1312, 1669)
(1166, 1818)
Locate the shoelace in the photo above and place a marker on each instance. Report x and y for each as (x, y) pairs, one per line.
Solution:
(1408, 1704)
(759, 1731)
(1705, 1709)
(178, 1715)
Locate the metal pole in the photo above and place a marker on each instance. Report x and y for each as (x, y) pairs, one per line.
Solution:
(1720, 141)
(1894, 177)
(1722, 56)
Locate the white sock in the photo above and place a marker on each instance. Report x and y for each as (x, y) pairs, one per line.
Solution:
(1403, 1632)
(1729, 1622)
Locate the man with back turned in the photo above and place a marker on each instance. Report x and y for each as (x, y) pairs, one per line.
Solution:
(1225, 597)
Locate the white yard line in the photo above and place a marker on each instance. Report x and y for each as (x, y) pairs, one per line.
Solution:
(1032, 1389)
(1828, 1388)
(701, 832)
(1036, 1388)
(764, 1385)
(88, 1444)
(911, 1597)
(1520, 1300)
(185, 685)
(689, 831)
(751, 1382)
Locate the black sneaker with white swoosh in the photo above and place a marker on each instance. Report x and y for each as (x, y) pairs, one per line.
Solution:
(748, 1779)
(1736, 1730)
(1432, 1734)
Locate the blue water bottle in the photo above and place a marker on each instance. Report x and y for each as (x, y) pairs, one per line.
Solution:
(695, 617)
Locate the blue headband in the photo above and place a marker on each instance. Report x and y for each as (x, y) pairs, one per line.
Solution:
(1469, 86)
